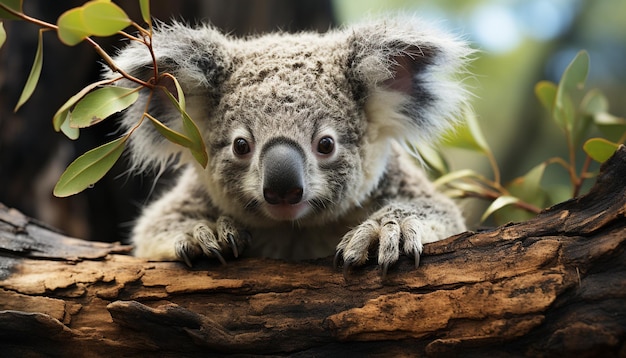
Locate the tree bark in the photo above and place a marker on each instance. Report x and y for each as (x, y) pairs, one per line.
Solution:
(553, 285)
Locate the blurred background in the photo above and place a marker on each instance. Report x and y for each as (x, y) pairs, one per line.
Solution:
(521, 42)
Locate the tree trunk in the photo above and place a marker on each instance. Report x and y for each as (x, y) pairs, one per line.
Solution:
(554, 285)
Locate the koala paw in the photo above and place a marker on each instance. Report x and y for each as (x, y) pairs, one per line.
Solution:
(211, 240)
(395, 229)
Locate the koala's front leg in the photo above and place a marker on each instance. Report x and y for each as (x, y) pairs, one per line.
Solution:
(412, 214)
(400, 227)
(183, 225)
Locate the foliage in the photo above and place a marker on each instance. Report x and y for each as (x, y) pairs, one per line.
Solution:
(98, 101)
(526, 193)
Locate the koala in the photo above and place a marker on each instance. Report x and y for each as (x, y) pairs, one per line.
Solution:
(309, 138)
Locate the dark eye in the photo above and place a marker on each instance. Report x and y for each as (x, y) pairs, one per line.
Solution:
(241, 146)
(326, 145)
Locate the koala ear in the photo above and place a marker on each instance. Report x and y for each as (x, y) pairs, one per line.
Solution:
(406, 73)
(197, 58)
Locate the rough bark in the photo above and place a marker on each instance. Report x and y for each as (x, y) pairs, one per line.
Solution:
(554, 285)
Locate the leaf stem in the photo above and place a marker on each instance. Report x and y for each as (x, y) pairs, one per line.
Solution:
(493, 196)
(583, 175)
(495, 168)
(105, 56)
(571, 167)
(25, 17)
(89, 40)
(558, 160)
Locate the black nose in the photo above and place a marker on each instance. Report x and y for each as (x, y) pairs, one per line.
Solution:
(283, 172)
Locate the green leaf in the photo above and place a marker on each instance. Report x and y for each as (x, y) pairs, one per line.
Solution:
(433, 159)
(198, 150)
(469, 136)
(595, 106)
(72, 27)
(528, 187)
(594, 102)
(565, 114)
(33, 77)
(70, 132)
(89, 168)
(100, 104)
(3, 34)
(104, 18)
(600, 149)
(13, 5)
(469, 187)
(477, 133)
(61, 115)
(457, 175)
(575, 74)
(546, 93)
(612, 127)
(169, 133)
(573, 78)
(498, 204)
(144, 5)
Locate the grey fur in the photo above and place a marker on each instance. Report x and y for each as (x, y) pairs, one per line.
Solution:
(369, 88)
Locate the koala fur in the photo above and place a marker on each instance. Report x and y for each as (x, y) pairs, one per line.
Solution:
(306, 136)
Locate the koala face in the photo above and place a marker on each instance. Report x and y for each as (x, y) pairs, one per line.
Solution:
(298, 127)
(287, 133)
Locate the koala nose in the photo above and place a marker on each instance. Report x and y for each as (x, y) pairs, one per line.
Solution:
(283, 172)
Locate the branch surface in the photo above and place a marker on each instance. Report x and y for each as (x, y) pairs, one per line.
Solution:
(552, 285)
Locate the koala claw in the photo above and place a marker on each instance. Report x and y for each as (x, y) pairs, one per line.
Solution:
(203, 240)
(233, 244)
(395, 230)
(181, 252)
(337, 258)
(417, 255)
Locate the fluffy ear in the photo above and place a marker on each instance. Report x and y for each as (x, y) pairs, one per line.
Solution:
(406, 72)
(197, 58)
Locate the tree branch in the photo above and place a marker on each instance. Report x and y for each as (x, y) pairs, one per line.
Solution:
(554, 285)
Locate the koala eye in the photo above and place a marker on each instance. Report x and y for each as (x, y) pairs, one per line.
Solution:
(326, 145)
(241, 146)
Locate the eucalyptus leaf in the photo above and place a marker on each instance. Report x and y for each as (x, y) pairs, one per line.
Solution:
(433, 159)
(581, 128)
(573, 78)
(33, 76)
(170, 134)
(144, 5)
(564, 113)
(198, 149)
(3, 34)
(100, 104)
(469, 136)
(13, 5)
(593, 105)
(612, 127)
(61, 114)
(498, 204)
(546, 93)
(600, 149)
(90, 167)
(180, 94)
(528, 187)
(104, 18)
(594, 102)
(469, 187)
(72, 28)
(575, 74)
(70, 132)
(457, 175)
(476, 132)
